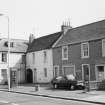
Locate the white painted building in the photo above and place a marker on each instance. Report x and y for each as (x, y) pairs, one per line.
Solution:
(39, 59)
(16, 60)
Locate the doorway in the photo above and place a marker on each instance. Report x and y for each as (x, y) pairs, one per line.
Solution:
(100, 73)
(29, 75)
(86, 72)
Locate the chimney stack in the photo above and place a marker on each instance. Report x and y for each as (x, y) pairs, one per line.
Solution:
(31, 38)
(66, 26)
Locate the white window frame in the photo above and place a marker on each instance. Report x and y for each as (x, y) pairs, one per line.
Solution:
(82, 51)
(3, 58)
(63, 58)
(45, 72)
(54, 69)
(103, 40)
(69, 66)
(83, 71)
(96, 72)
(33, 57)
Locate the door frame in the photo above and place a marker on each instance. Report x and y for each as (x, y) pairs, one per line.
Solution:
(96, 72)
(54, 70)
(83, 71)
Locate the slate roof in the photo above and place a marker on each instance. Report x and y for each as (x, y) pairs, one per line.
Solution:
(83, 33)
(20, 46)
(45, 42)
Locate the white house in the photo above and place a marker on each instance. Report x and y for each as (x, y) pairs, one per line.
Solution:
(16, 60)
(39, 59)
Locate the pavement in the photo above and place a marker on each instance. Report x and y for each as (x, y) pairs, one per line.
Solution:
(93, 96)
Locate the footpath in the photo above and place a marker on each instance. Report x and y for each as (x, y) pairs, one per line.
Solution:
(93, 96)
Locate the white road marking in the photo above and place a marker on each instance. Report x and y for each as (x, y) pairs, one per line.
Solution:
(6, 102)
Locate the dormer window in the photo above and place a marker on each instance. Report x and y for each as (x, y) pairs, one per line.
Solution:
(11, 44)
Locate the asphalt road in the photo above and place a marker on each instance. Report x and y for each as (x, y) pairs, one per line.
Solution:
(7, 98)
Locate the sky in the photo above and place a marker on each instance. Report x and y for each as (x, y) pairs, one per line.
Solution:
(44, 17)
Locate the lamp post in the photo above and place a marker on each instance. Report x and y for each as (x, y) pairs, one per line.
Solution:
(8, 70)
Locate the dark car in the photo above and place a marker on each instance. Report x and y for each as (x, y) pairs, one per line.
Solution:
(67, 81)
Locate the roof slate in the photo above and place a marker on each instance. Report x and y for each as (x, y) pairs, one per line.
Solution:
(83, 33)
(45, 42)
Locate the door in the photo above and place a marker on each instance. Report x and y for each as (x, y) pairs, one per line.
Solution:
(100, 73)
(86, 74)
(56, 71)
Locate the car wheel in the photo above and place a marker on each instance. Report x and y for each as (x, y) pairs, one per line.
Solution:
(55, 86)
(72, 87)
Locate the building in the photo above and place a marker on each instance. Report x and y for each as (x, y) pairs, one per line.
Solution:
(39, 59)
(81, 52)
(16, 60)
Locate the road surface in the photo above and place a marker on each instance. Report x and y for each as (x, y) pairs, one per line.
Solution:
(7, 98)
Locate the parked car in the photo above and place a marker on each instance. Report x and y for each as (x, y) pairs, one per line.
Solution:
(67, 81)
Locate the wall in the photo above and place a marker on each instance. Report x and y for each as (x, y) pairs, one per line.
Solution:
(15, 63)
(74, 54)
(39, 65)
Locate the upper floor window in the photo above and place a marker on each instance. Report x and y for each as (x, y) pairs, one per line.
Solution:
(11, 44)
(103, 47)
(45, 72)
(45, 56)
(4, 57)
(65, 53)
(33, 57)
(85, 50)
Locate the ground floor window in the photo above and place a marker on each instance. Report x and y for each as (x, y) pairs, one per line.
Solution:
(4, 73)
(69, 70)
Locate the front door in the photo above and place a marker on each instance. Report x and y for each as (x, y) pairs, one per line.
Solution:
(86, 76)
(100, 73)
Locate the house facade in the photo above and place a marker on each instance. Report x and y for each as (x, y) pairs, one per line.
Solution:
(16, 60)
(39, 59)
(81, 52)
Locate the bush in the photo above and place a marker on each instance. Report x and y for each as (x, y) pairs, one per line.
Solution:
(101, 85)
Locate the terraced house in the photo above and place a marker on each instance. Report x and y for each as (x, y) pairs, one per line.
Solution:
(39, 58)
(16, 60)
(81, 52)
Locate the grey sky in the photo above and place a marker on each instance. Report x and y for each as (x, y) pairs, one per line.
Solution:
(43, 17)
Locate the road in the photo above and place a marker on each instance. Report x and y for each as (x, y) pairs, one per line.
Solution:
(7, 98)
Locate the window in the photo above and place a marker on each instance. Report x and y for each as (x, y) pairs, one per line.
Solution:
(103, 47)
(65, 53)
(45, 72)
(45, 56)
(11, 44)
(4, 57)
(4, 73)
(33, 57)
(85, 50)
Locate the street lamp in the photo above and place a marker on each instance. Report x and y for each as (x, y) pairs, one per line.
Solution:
(8, 71)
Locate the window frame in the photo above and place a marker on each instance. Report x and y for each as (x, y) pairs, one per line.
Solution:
(45, 72)
(63, 47)
(103, 40)
(82, 50)
(3, 59)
